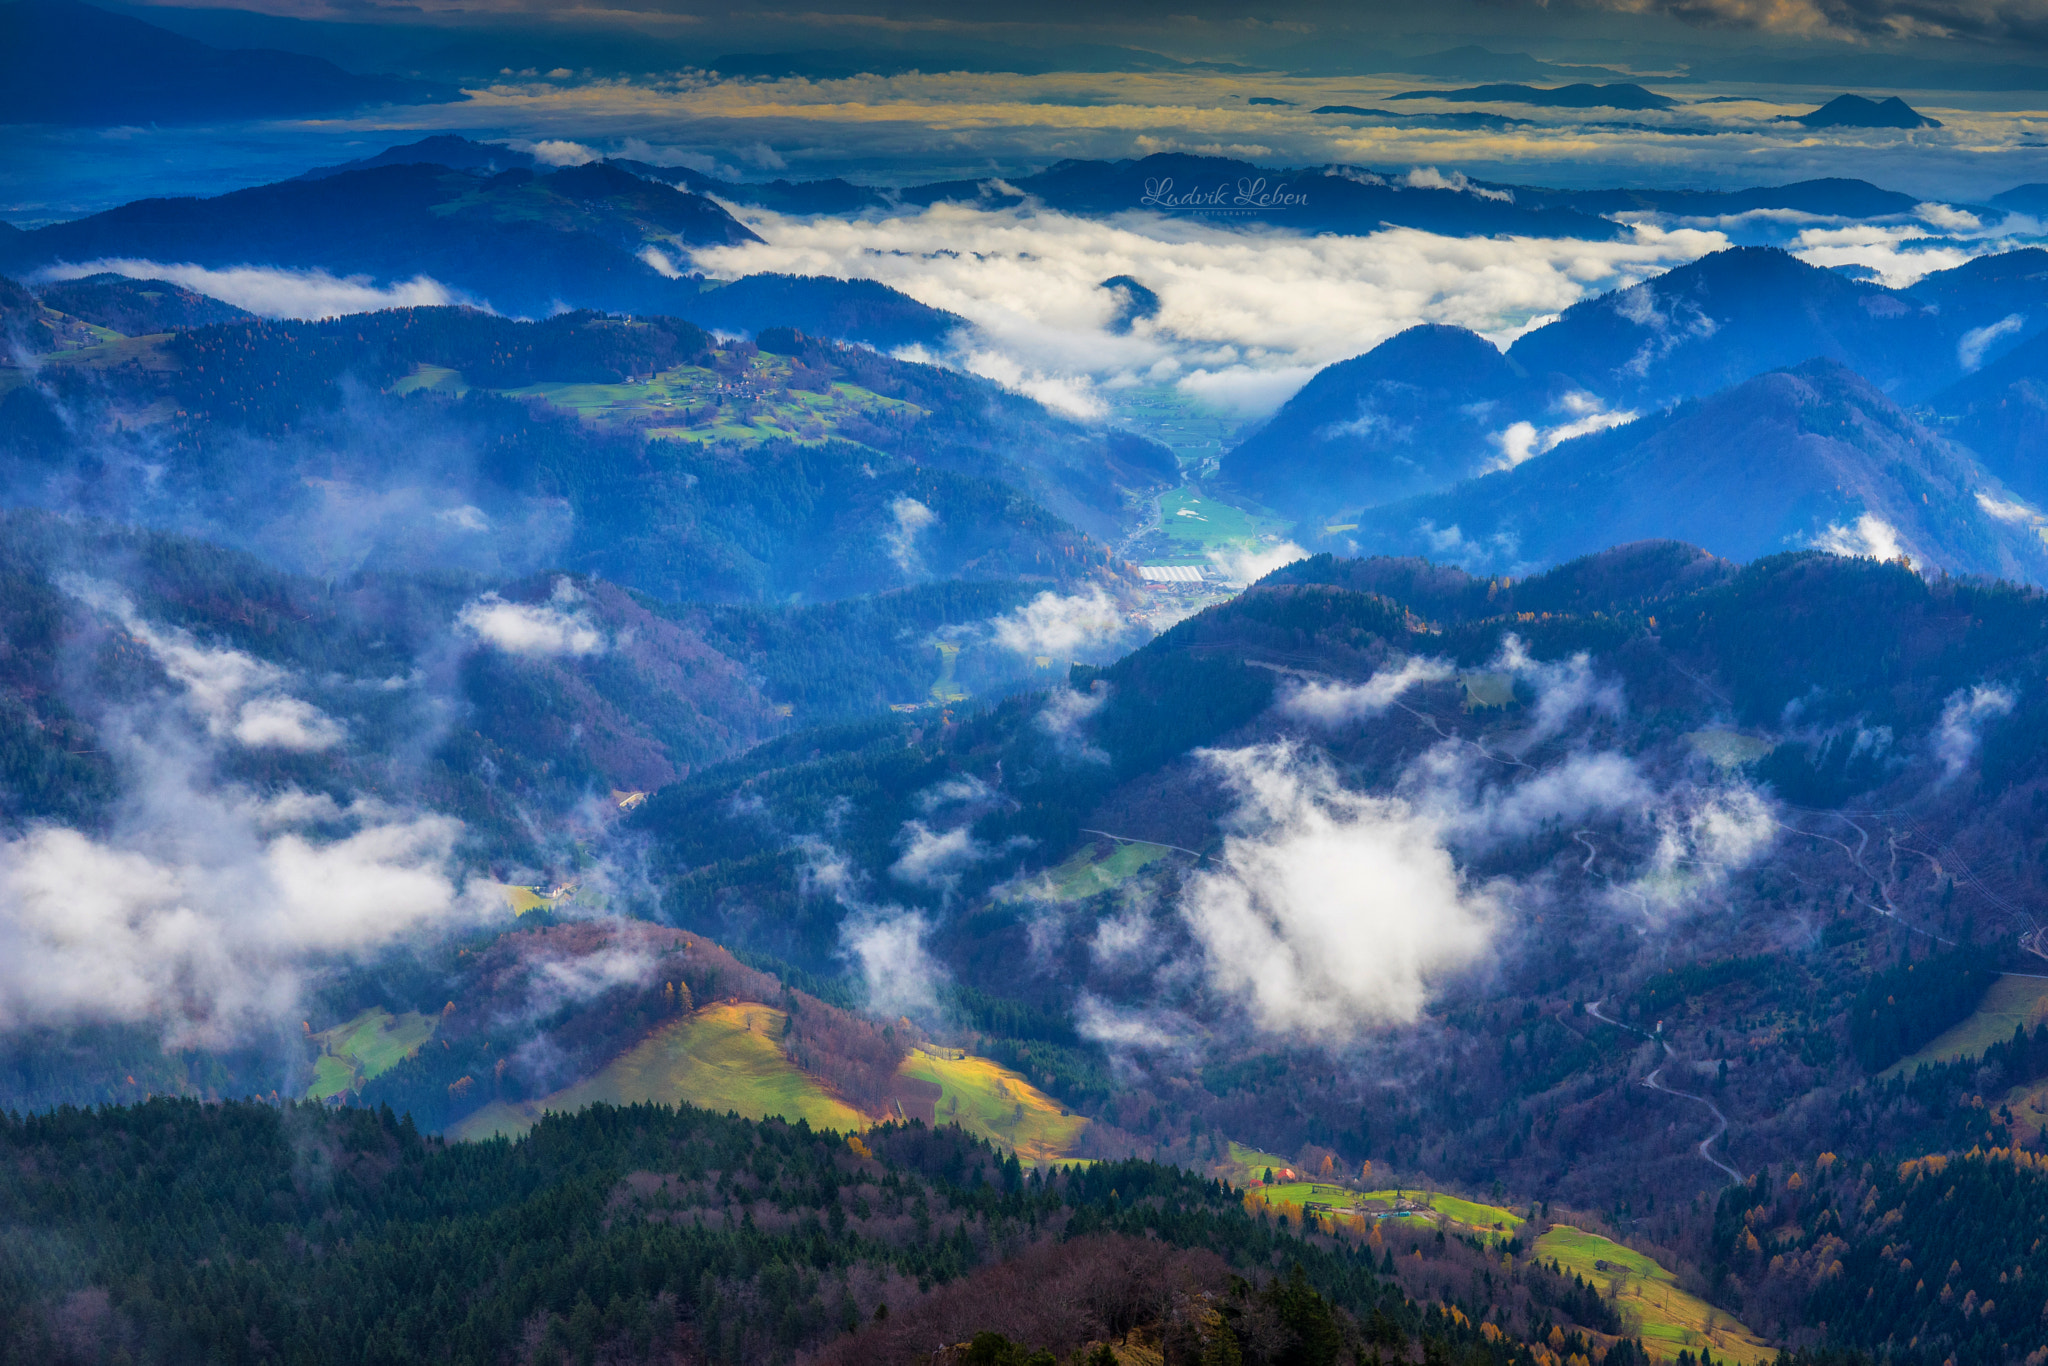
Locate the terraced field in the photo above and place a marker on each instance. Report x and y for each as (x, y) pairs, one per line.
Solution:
(368, 1046)
(1672, 1320)
(724, 1057)
(992, 1102)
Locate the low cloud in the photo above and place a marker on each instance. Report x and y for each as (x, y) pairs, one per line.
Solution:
(1960, 732)
(1065, 718)
(1871, 537)
(888, 946)
(555, 627)
(1975, 342)
(1332, 910)
(1248, 564)
(935, 859)
(1244, 318)
(235, 695)
(911, 517)
(1333, 704)
(1583, 414)
(1082, 626)
(271, 292)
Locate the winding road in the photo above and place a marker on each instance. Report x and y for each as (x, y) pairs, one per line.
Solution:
(1655, 1082)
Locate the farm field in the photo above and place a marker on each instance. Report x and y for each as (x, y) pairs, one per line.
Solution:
(368, 1046)
(1672, 1320)
(724, 1057)
(1453, 1212)
(689, 403)
(2013, 1001)
(1085, 875)
(1191, 525)
(1249, 1164)
(1169, 415)
(992, 1102)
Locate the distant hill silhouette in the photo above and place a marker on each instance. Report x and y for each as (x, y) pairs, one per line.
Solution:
(1579, 96)
(66, 63)
(137, 308)
(443, 149)
(1326, 199)
(1853, 111)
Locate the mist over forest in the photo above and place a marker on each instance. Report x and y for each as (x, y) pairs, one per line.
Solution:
(1031, 688)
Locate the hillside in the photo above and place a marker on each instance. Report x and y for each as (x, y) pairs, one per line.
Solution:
(1412, 415)
(1809, 456)
(67, 63)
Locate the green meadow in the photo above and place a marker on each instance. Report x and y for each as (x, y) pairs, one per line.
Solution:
(992, 1102)
(1671, 1320)
(724, 1057)
(2012, 1002)
(368, 1046)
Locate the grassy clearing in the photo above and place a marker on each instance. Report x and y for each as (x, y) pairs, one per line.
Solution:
(690, 403)
(368, 1046)
(1084, 875)
(2011, 1002)
(724, 1057)
(1251, 1165)
(1450, 1211)
(437, 378)
(1487, 690)
(992, 1102)
(1728, 748)
(1672, 1320)
(946, 689)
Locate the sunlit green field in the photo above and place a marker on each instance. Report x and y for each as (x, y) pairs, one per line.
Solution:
(368, 1046)
(1084, 875)
(992, 1102)
(1672, 1320)
(2012, 1002)
(724, 1057)
(689, 403)
(1196, 431)
(1194, 524)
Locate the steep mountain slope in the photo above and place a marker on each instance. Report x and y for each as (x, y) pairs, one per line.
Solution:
(1729, 316)
(523, 242)
(136, 308)
(1809, 456)
(1412, 415)
(68, 63)
(2001, 412)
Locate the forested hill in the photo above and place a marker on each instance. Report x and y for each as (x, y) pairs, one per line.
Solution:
(248, 1233)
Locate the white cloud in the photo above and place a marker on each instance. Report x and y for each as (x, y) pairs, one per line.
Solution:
(659, 261)
(935, 859)
(1703, 835)
(272, 292)
(1975, 342)
(204, 910)
(558, 151)
(888, 944)
(1957, 736)
(1245, 316)
(1430, 178)
(2007, 510)
(1080, 626)
(235, 695)
(1333, 911)
(1584, 415)
(911, 517)
(1245, 564)
(1065, 717)
(555, 627)
(1332, 704)
(1871, 537)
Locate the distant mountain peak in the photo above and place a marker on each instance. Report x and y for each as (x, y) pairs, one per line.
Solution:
(1623, 95)
(1854, 111)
